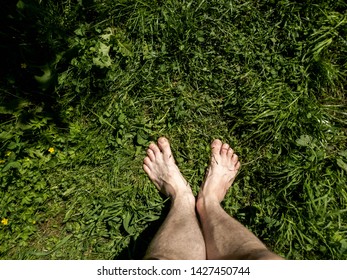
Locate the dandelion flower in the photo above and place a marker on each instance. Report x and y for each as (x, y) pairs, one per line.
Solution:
(51, 150)
(4, 221)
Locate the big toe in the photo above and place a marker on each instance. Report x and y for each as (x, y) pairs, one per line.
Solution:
(216, 146)
(164, 146)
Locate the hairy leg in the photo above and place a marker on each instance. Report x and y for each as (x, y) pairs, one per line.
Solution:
(180, 236)
(225, 237)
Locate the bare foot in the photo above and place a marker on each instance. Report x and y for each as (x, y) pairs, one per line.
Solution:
(220, 174)
(161, 168)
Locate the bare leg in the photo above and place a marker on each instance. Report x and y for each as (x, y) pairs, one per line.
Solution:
(180, 236)
(225, 237)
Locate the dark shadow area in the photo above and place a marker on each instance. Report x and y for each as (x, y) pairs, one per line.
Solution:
(137, 247)
(27, 69)
(247, 215)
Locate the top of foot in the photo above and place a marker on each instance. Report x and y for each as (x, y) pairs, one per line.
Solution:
(161, 168)
(221, 172)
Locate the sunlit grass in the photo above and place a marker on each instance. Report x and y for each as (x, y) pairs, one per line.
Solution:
(267, 78)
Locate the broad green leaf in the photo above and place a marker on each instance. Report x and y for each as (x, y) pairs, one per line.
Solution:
(5, 135)
(127, 217)
(103, 59)
(104, 49)
(304, 140)
(140, 140)
(125, 49)
(26, 200)
(46, 76)
(20, 4)
(341, 164)
(109, 32)
(12, 145)
(122, 118)
(13, 164)
(69, 191)
(343, 153)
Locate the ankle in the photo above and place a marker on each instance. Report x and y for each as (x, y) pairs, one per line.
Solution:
(186, 199)
(204, 203)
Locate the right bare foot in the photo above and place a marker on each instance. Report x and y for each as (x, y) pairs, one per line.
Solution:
(220, 174)
(161, 168)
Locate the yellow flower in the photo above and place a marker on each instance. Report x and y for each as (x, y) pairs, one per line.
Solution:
(2, 161)
(51, 150)
(4, 221)
(23, 65)
(8, 153)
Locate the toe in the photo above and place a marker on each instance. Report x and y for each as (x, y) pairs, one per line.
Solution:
(224, 149)
(238, 165)
(154, 148)
(164, 146)
(216, 146)
(151, 154)
(230, 153)
(146, 169)
(234, 159)
(147, 161)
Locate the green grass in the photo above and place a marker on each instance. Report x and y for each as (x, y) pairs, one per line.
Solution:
(99, 80)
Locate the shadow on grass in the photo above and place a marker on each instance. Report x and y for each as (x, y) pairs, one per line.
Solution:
(247, 214)
(137, 247)
(26, 71)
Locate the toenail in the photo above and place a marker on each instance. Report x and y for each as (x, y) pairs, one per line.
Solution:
(216, 141)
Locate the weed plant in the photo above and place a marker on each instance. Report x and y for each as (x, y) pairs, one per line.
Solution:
(88, 84)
